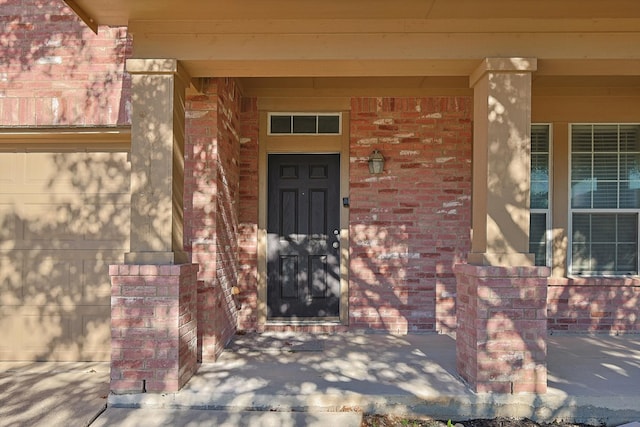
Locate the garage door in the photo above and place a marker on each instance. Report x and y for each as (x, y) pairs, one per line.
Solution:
(64, 217)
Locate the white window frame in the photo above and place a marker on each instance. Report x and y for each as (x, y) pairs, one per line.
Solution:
(547, 211)
(306, 113)
(572, 210)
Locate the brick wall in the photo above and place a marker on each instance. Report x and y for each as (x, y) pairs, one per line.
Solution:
(594, 305)
(200, 204)
(228, 196)
(410, 225)
(54, 71)
(248, 215)
(211, 208)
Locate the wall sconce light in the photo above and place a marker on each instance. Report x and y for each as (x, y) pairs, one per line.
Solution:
(376, 163)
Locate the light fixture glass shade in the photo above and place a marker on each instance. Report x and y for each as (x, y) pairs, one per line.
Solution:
(376, 163)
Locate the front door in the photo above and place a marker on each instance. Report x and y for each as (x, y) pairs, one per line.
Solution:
(303, 236)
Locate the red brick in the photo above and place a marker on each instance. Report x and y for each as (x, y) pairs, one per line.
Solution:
(507, 357)
(594, 304)
(158, 386)
(86, 58)
(126, 385)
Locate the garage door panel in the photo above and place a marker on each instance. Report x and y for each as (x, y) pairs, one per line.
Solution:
(109, 222)
(58, 277)
(64, 218)
(8, 226)
(100, 173)
(40, 169)
(96, 332)
(47, 222)
(55, 333)
(11, 279)
(85, 225)
(8, 170)
(47, 280)
(46, 330)
(96, 280)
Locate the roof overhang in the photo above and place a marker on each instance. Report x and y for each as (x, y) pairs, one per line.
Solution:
(422, 40)
(123, 12)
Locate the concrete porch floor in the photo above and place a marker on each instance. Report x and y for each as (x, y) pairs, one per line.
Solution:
(594, 379)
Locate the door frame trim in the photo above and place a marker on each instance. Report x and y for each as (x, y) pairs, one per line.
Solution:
(302, 144)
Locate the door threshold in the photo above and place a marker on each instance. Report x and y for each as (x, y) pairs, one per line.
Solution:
(286, 322)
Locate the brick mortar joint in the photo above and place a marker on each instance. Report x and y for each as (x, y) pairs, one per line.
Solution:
(153, 270)
(518, 272)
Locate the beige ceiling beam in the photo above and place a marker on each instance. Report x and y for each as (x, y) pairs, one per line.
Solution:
(120, 12)
(386, 55)
(86, 18)
(386, 26)
(400, 68)
(396, 46)
(328, 68)
(589, 67)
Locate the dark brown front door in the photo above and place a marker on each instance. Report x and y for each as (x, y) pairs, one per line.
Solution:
(303, 254)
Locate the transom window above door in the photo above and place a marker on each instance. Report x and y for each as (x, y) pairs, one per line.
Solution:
(305, 124)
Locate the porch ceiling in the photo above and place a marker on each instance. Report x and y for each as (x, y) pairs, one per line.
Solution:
(122, 12)
(425, 86)
(440, 41)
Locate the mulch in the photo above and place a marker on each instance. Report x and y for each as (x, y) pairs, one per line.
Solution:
(393, 421)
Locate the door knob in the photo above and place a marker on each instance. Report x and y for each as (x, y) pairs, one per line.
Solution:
(335, 245)
(336, 232)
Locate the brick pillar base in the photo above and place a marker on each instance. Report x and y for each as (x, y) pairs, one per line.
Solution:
(153, 327)
(501, 339)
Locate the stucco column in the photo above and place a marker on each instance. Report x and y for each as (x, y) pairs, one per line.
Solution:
(501, 162)
(157, 161)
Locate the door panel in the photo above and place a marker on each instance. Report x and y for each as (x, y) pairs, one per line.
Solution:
(303, 260)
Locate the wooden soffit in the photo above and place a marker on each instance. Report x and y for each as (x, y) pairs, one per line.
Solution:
(122, 12)
(375, 38)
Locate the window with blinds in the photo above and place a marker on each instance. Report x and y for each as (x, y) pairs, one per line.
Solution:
(605, 198)
(539, 216)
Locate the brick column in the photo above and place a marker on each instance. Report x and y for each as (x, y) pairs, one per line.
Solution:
(502, 328)
(153, 327)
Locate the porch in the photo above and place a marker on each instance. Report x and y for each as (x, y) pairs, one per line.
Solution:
(591, 378)
(435, 105)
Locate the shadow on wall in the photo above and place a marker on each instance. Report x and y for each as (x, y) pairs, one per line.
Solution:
(508, 175)
(211, 208)
(57, 72)
(64, 217)
(248, 216)
(410, 225)
(594, 305)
